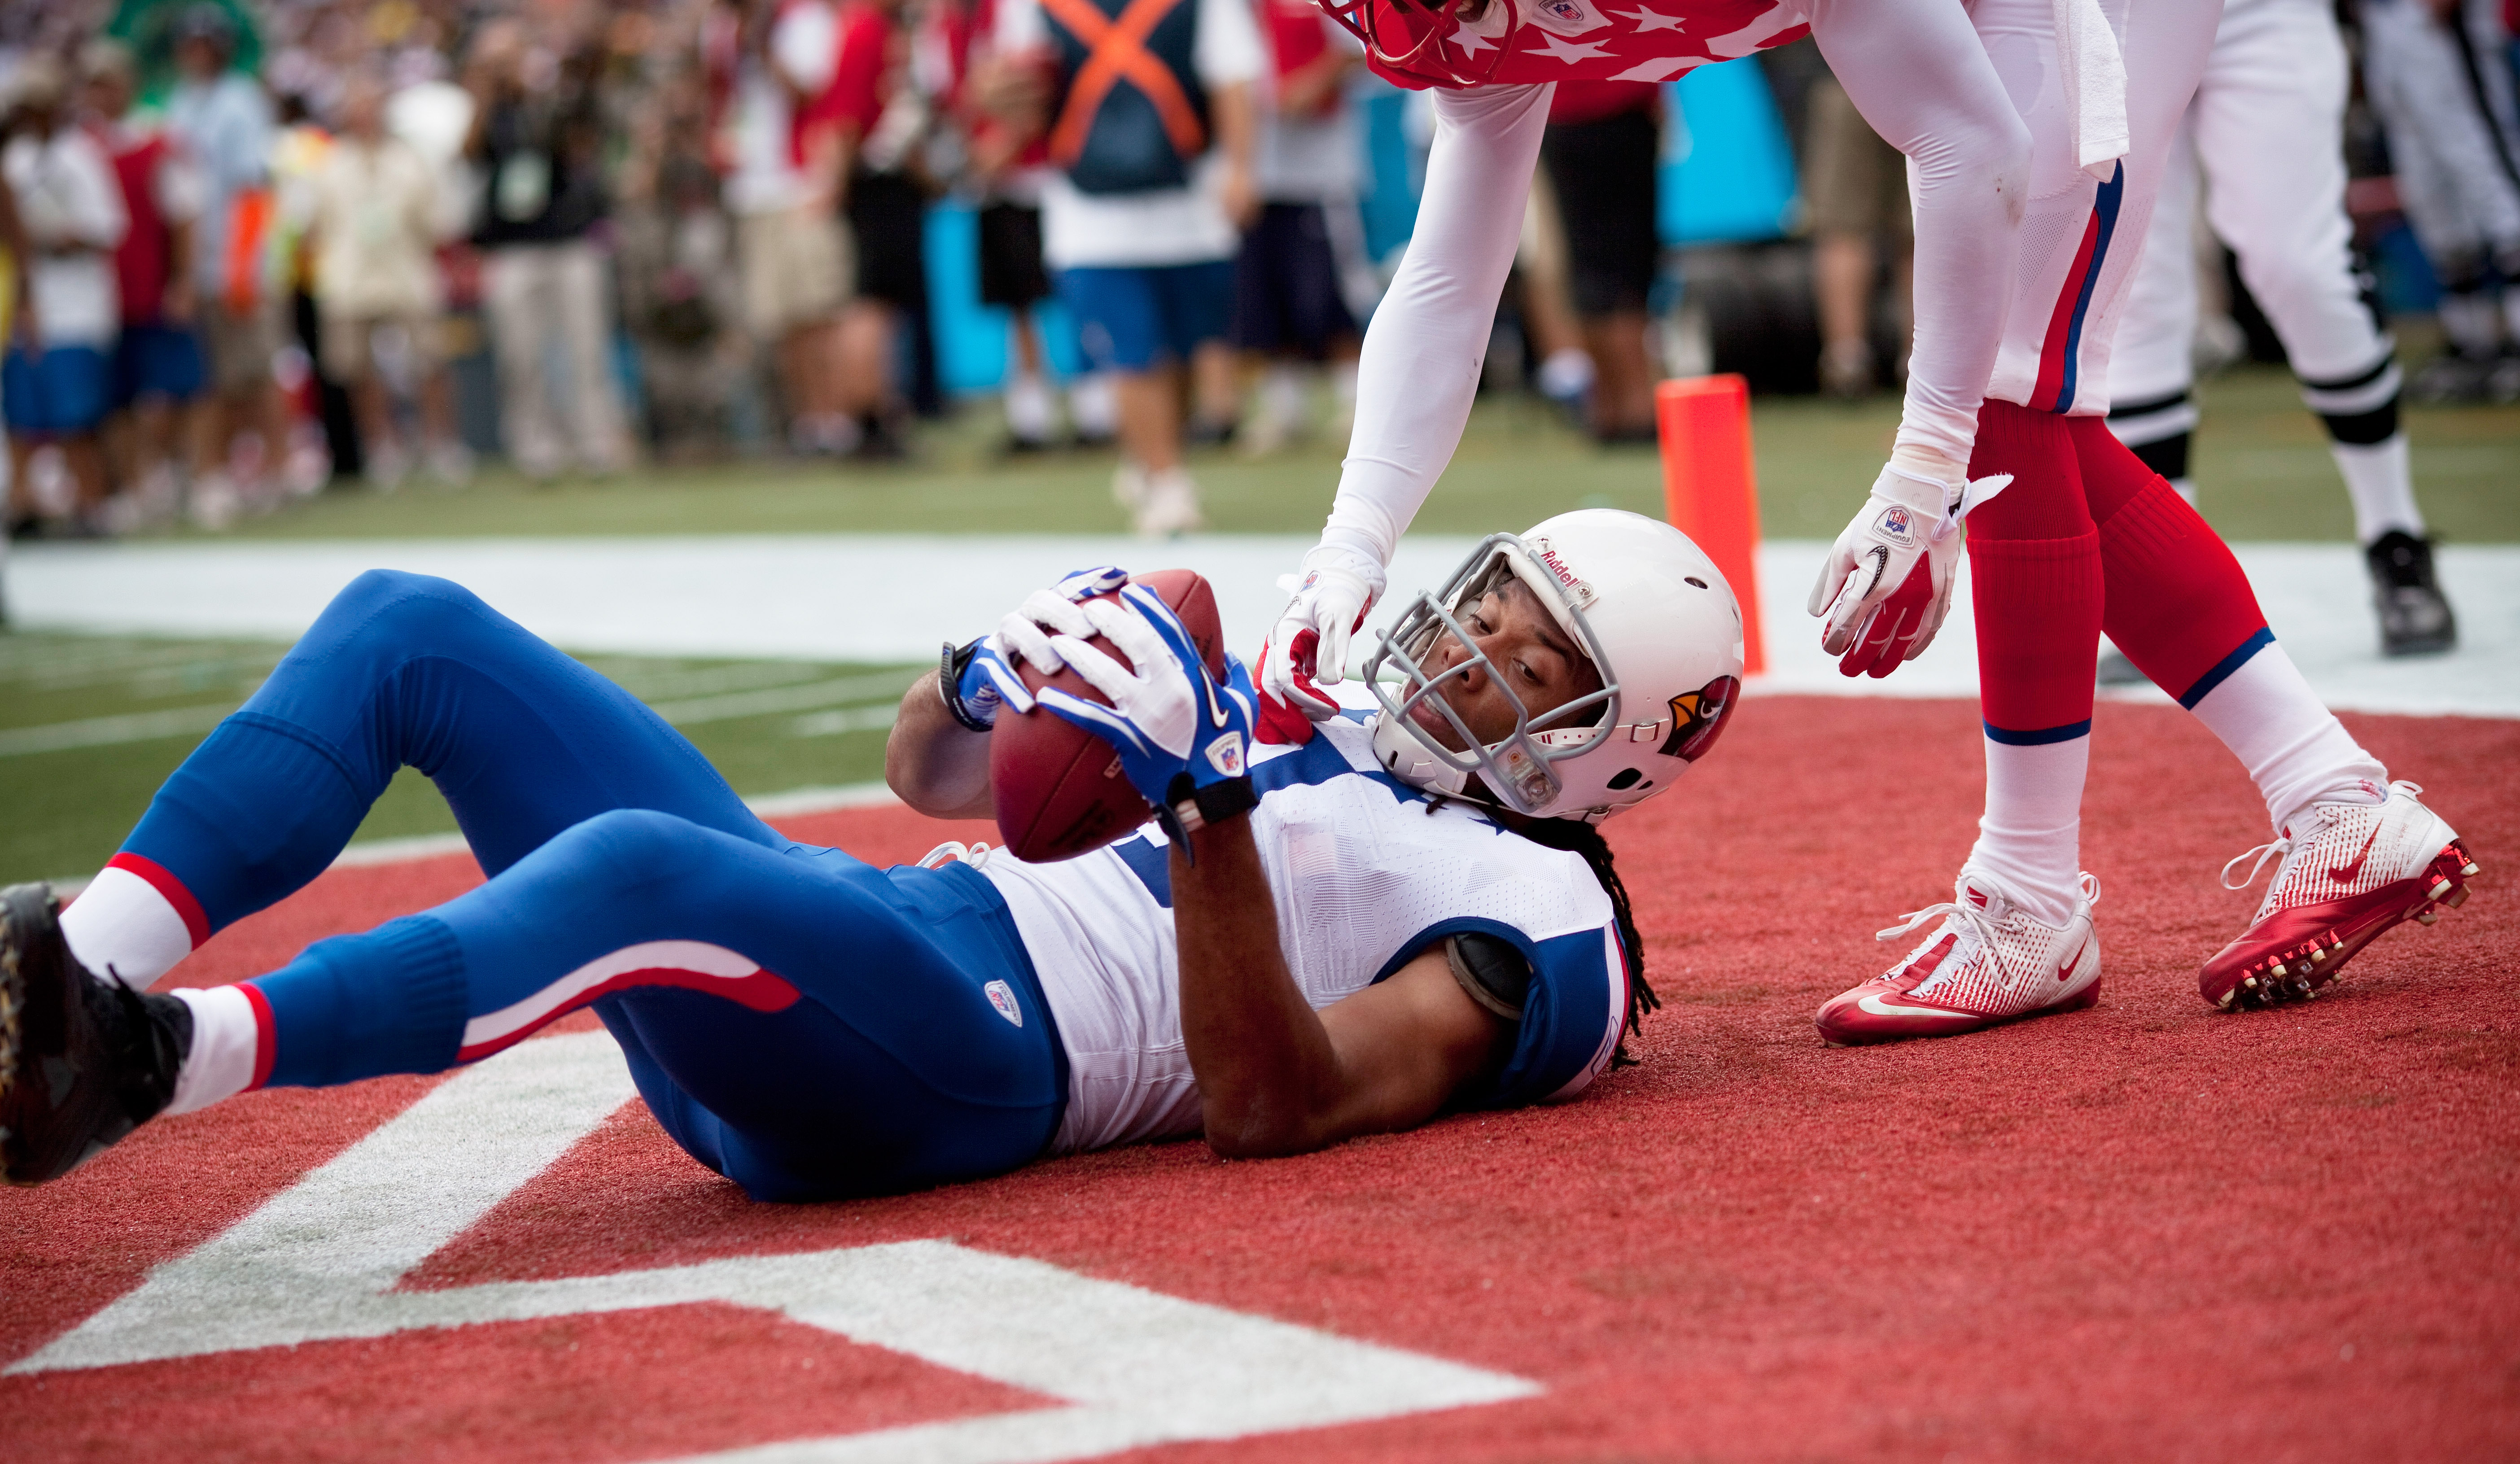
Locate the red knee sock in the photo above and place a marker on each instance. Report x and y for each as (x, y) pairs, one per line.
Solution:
(2178, 603)
(2035, 580)
(2034, 567)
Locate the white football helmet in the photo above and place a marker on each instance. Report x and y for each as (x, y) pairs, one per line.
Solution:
(1642, 601)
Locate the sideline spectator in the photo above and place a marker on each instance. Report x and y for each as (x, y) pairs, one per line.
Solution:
(1603, 148)
(1288, 313)
(773, 63)
(1010, 160)
(536, 137)
(224, 122)
(1856, 186)
(879, 119)
(158, 372)
(58, 371)
(375, 212)
(681, 289)
(1140, 219)
(2429, 68)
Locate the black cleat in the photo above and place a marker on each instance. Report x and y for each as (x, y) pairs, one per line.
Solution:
(2414, 619)
(82, 1061)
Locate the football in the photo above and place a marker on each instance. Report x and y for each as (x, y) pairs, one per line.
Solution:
(1059, 789)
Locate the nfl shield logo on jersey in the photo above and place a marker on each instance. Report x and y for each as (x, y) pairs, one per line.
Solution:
(1003, 997)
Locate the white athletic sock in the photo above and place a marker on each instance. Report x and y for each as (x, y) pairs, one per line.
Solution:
(120, 927)
(227, 1041)
(2295, 750)
(1093, 405)
(1030, 413)
(2030, 837)
(2382, 486)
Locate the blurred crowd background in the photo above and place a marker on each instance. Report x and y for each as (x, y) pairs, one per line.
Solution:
(257, 251)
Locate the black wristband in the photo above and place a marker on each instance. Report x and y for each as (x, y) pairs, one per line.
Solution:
(1195, 808)
(949, 676)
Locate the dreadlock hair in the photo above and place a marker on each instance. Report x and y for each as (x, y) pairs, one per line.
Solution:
(1577, 837)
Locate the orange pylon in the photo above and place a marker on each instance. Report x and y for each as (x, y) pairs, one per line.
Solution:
(1711, 489)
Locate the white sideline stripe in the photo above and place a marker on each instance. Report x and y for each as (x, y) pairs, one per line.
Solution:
(648, 955)
(882, 599)
(1135, 1367)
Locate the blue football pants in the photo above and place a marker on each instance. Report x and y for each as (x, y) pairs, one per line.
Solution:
(894, 1034)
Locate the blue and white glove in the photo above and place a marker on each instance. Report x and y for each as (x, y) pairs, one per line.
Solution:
(978, 678)
(1182, 736)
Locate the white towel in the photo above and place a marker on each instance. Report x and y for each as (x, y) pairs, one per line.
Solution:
(2093, 70)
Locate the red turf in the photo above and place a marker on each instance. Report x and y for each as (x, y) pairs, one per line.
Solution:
(2145, 1230)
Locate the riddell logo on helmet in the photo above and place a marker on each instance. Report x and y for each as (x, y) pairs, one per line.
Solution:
(1567, 579)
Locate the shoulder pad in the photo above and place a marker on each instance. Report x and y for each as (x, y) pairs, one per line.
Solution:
(1490, 971)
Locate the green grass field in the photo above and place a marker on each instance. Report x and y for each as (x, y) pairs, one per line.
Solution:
(90, 724)
(2263, 465)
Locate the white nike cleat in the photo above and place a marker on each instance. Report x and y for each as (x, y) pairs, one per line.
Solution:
(2349, 871)
(1989, 962)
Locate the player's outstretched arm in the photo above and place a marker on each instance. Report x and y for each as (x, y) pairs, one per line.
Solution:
(1274, 1077)
(1418, 371)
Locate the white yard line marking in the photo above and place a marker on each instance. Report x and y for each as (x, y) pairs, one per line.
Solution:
(793, 803)
(114, 731)
(1133, 1367)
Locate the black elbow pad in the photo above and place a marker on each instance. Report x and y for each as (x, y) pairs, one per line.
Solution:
(1490, 971)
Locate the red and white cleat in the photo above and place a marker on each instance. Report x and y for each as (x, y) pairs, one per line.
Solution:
(1989, 962)
(2349, 871)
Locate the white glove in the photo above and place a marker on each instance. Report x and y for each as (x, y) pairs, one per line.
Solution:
(1309, 643)
(1059, 610)
(1887, 584)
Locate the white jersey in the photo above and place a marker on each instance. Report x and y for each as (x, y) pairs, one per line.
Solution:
(1366, 874)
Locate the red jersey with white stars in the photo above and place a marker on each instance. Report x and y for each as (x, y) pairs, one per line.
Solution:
(1520, 42)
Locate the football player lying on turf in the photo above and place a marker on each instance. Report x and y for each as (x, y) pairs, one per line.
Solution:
(1303, 946)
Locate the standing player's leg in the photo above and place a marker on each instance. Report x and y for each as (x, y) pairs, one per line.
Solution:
(2455, 159)
(2270, 130)
(2360, 853)
(799, 1021)
(2016, 939)
(399, 671)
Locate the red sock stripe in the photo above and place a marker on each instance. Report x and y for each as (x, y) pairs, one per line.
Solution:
(266, 1036)
(2039, 603)
(170, 889)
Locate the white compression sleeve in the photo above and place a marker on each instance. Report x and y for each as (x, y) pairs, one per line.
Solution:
(1422, 351)
(1919, 75)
